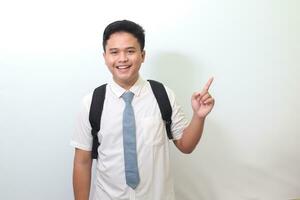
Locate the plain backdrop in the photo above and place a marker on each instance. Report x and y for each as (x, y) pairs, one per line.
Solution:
(51, 56)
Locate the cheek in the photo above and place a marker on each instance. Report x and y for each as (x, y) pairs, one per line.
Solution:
(138, 60)
(109, 62)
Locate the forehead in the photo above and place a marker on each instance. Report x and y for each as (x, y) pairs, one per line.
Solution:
(122, 40)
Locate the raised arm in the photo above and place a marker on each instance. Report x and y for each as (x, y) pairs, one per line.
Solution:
(202, 103)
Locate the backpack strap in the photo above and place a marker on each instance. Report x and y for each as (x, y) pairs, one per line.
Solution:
(96, 109)
(95, 116)
(164, 104)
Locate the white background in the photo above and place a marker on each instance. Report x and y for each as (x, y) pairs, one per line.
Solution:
(51, 56)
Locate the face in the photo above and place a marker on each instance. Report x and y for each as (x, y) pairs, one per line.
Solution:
(123, 57)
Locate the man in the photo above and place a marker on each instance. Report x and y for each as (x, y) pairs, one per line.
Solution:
(123, 44)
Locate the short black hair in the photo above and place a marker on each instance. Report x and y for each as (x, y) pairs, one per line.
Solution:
(124, 26)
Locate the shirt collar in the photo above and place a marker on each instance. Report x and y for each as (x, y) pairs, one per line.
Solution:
(136, 88)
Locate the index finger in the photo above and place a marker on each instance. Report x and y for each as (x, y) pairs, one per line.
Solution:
(207, 85)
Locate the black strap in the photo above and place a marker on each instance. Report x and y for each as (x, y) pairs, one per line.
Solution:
(96, 108)
(163, 101)
(95, 116)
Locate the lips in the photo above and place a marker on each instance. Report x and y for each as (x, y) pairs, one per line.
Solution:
(123, 66)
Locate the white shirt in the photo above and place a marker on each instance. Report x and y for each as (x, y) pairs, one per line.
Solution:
(152, 144)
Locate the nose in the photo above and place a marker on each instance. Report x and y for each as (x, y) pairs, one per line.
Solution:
(123, 57)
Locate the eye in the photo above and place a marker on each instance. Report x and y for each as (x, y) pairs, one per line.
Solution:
(131, 51)
(113, 52)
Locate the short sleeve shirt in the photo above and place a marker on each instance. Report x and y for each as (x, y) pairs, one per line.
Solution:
(151, 138)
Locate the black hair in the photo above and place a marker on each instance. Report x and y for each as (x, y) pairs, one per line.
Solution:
(124, 26)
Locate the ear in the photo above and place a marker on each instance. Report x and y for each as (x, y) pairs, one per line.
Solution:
(104, 56)
(143, 55)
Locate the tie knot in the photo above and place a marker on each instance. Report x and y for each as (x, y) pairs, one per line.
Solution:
(127, 97)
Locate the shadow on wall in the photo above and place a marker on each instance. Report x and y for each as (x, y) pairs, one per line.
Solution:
(178, 72)
(191, 172)
(200, 175)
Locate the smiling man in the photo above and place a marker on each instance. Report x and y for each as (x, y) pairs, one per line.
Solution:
(133, 157)
(123, 56)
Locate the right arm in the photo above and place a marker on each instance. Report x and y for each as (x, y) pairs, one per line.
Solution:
(82, 174)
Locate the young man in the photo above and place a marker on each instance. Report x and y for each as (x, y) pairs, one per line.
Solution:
(123, 44)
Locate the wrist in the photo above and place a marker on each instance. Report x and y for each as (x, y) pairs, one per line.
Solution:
(198, 118)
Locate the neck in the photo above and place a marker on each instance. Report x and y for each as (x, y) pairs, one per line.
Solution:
(126, 84)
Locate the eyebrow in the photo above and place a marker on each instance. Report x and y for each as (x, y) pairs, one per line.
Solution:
(114, 49)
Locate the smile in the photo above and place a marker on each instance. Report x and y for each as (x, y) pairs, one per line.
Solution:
(123, 66)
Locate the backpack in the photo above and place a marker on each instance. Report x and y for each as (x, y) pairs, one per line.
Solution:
(96, 108)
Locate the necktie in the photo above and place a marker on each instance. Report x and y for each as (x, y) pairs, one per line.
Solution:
(129, 143)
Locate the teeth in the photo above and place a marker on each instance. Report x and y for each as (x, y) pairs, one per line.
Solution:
(122, 67)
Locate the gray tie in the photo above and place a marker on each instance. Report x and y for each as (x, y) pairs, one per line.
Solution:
(129, 143)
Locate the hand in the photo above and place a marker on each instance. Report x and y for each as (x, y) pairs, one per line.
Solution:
(203, 102)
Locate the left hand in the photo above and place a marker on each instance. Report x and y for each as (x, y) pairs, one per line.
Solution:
(203, 102)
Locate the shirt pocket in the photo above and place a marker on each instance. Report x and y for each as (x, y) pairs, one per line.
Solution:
(153, 130)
